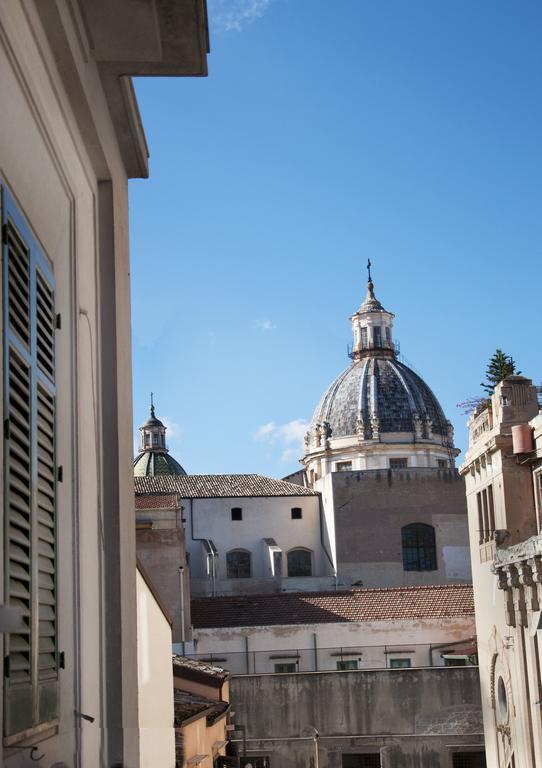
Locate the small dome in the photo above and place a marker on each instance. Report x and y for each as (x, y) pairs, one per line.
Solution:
(153, 457)
(151, 463)
(379, 394)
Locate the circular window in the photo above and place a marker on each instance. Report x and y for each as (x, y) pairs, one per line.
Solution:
(502, 701)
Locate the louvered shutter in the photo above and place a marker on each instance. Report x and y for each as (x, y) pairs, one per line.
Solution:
(31, 669)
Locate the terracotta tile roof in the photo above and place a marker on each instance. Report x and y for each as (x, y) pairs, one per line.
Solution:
(219, 486)
(432, 602)
(189, 706)
(205, 671)
(158, 501)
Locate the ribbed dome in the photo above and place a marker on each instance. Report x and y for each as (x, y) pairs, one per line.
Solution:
(152, 463)
(379, 395)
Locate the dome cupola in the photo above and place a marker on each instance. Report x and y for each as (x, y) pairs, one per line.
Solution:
(378, 413)
(153, 457)
(372, 326)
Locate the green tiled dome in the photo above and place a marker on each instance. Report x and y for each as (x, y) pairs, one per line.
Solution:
(151, 463)
(153, 458)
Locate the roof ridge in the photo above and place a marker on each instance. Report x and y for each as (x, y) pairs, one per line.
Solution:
(336, 593)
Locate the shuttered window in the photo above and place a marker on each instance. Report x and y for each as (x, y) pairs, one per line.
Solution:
(31, 660)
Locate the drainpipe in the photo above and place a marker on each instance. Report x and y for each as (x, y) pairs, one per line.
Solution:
(181, 585)
(212, 549)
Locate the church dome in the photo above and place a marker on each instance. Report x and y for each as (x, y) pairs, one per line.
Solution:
(378, 410)
(155, 463)
(153, 457)
(379, 395)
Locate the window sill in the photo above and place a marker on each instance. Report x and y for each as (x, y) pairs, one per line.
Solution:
(32, 736)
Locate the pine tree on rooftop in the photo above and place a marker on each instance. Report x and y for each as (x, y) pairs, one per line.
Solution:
(499, 367)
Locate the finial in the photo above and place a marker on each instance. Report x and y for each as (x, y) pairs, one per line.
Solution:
(152, 406)
(369, 280)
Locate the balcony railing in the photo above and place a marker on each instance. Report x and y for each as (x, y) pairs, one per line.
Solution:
(341, 658)
(367, 346)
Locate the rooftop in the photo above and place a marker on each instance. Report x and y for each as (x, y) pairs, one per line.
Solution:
(157, 501)
(353, 605)
(191, 669)
(189, 706)
(218, 486)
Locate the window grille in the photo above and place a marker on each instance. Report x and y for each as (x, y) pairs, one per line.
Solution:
(299, 562)
(419, 551)
(238, 564)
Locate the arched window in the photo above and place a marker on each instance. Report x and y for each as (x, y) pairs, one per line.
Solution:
(238, 564)
(419, 551)
(299, 562)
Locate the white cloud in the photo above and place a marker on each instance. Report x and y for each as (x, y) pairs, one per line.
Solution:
(288, 436)
(174, 430)
(265, 325)
(228, 15)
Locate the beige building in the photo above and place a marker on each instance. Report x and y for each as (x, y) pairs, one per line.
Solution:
(155, 677)
(202, 711)
(70, 138)
(503, 475)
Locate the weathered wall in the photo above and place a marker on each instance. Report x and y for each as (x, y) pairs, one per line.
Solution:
(371, 507)
(413, 717)
(257, 649)
(162, 553)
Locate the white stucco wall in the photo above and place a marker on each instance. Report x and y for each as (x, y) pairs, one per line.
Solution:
(155, 682)
(376, 642)
(262, 517)
(45, 162)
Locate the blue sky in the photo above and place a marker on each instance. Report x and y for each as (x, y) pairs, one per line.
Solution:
(327, 133)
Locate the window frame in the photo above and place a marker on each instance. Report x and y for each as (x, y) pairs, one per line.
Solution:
(296, 513)
(419, 554)
(296, 550)
(236, 514)
(229, 565)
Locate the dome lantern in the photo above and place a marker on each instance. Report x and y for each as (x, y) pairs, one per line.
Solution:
(372, 326)
(153, 457)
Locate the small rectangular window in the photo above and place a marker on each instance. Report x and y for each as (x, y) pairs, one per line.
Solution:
(469, 759)
(368, 760)
(441, 463)
(297, 513)
(398, 463)
(343, 466)
(349, 664)
(400, 663)
(282, 668)
(364, 338)
(236, 513)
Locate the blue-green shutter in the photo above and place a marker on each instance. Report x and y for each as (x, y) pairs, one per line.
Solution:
(30, 665)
